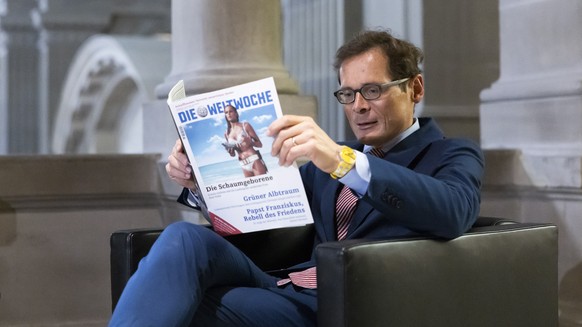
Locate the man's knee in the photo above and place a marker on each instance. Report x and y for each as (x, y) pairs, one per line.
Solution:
(182, 239)
(186, 230)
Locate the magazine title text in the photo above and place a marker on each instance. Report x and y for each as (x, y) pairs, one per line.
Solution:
(247, 101)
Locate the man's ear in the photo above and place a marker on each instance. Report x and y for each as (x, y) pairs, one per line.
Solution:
(417, 88)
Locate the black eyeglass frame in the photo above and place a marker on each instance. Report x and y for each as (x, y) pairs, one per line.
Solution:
(382, 87)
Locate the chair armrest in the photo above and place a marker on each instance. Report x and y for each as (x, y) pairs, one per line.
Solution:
(492, 276)
(127, 248)
(271, 250)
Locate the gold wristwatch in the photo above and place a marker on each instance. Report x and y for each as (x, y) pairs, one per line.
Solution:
(347, 159)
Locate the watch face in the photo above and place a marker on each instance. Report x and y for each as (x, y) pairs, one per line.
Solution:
(202, 111)
(348, 154)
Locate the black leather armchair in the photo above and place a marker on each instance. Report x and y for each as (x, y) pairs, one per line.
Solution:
(499, 273)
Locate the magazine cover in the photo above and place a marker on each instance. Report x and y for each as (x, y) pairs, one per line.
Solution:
(242, 186)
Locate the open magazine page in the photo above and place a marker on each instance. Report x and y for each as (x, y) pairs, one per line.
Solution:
(243, 187)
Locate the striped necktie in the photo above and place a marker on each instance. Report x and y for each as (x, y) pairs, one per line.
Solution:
(345, 206)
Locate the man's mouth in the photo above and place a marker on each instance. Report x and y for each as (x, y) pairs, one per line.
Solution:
(366, 125)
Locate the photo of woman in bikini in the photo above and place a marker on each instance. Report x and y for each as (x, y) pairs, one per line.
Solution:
(241, 141)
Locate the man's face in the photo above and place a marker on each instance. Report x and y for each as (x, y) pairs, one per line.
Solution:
(375, 122)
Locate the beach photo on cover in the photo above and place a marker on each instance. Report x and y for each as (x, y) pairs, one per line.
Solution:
(224, 153)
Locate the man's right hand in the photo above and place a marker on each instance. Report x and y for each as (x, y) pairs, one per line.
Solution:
(178, 167)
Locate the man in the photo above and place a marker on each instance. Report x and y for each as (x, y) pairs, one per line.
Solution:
(419, 183)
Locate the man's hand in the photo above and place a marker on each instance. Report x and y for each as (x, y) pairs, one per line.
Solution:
(178, 167)
(299, 136)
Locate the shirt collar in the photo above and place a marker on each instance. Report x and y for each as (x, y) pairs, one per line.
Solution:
(392, 143)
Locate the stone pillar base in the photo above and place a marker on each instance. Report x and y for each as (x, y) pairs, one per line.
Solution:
(526, 116)
(521, 187)
(521, 169)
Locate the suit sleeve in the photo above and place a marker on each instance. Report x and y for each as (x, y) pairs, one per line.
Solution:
(195, 202)
(440, 195)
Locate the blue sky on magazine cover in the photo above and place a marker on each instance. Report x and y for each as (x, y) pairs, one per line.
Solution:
(206, 136)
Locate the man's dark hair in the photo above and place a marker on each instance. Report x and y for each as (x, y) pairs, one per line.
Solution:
(404, 57)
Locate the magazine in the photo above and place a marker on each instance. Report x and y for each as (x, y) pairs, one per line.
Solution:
(241, 187)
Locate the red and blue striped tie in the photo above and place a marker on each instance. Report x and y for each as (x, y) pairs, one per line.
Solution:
(345, 207)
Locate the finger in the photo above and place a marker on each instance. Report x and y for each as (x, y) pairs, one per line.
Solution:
(178, 165)
(177, 146)
(295, 148)
(281, 123)
(178, 153)
(281, 129)
(184, 179)
(187, 183)
(176, 170)
(182, 161)
(286, 153)
(178, 160)
(287, 135)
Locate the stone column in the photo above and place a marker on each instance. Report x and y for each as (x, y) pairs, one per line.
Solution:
(41, 40)
(536, 105)
(62, 26)
(3, 83)
(23, 120)
(461, 60)
(220, 44)
(217, 45)
(531, 131)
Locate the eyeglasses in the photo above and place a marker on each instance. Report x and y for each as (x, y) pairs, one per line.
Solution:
(368, 91)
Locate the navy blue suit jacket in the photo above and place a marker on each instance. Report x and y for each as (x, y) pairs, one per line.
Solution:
(427, 184)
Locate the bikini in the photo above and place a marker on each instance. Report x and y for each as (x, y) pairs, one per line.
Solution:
(246, 163)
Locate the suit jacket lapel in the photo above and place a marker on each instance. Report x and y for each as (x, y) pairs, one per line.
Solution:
(406, 151)
(402, 154)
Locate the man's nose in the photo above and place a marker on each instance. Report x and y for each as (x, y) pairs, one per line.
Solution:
(360, 105)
